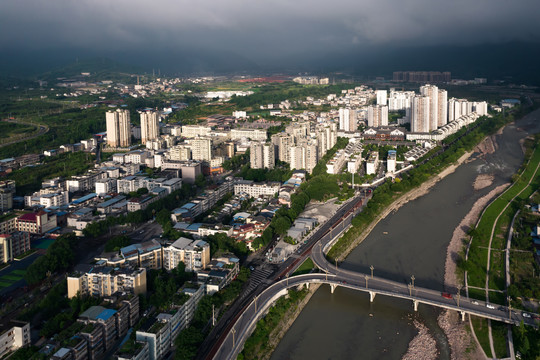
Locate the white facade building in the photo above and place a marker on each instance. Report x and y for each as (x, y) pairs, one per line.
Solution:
(149, 125)
(118, 128)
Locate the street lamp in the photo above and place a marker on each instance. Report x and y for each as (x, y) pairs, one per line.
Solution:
(410, 286)
(336, 264)
(256, 296)
(233, 339)
(412, 278)
(509, 308)
(287, 276)
(366, 277)
(458, 293)
(372, 268)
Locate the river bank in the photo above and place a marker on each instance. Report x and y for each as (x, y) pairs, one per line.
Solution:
(411, 195)
(288, 319)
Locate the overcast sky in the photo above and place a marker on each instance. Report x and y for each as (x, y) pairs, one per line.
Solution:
(257, 28)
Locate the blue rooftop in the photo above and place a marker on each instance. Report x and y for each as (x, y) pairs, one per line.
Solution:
(106, 314)
(84, 198)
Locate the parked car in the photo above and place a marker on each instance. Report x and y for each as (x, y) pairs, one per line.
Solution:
(526, 315)
(474, 302)
(489, 306)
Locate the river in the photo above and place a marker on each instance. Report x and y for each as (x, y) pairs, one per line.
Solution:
(411, 241)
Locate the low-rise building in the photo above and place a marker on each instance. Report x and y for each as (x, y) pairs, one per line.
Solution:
(256, 189)
(36, 222)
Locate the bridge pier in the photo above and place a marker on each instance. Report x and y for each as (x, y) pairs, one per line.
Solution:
(462, 315)
(372, 296)
(415, 304)
(332, 288)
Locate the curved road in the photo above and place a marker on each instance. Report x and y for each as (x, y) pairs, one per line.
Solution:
(243, 325)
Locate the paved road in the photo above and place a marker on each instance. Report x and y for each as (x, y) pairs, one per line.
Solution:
(42, 129)
(239, 329)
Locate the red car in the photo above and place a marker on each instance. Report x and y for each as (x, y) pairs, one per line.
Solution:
(446, 295)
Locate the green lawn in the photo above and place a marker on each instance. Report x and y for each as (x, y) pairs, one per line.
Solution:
(305, 268)
(19, 272)
(4, 284)
(12, 277)
(481, 330)
(499, 332)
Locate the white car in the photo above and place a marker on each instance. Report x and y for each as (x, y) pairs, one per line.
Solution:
(475, 302)
(526, 315)
(489, 306)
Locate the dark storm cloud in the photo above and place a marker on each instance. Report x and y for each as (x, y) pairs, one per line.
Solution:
(262, 27)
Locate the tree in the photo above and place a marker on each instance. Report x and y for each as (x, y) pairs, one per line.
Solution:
(281, 225)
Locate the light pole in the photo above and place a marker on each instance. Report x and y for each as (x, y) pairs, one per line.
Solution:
(371, 268)
(287, 276)
(336, 264)
(233, 339)
(412, 278)
(410, 286)
(509, 308)
(366, 277)
(458, 294)
(256, 302)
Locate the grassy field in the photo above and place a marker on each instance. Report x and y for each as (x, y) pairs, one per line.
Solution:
(305, 268)
(11, 278)
(499, 332)
(480, 326)
(519, 191)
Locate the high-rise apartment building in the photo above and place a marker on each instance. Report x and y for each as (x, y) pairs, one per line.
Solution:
(432, 92)
(297, 156)
(400, 100)
(283, 143)
(438, 100)
(442, 110)
(381, 97)
(347, 120)
(180, 153)
(420, 114)
(118, 128)
(377, 115)
(149, 125)
(262, 155)
(7, 190)
(201, 149)
(312, 156)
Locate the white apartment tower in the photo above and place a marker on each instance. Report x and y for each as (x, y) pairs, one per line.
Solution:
(118, 128)
(149, 125)
(382, 97)
(347, 119)
(283, 142)
(312, 157)
(201, 149)
(377, 115)
(297, 156)
(442, 110)
(262, 156)
(420, 114)
(432, 92)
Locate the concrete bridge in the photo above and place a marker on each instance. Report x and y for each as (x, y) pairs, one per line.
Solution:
(245, 322)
